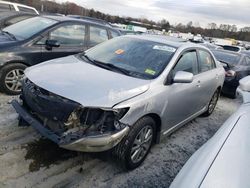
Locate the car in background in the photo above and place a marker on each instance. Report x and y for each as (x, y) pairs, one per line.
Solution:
(225, 159)
(9, 6)
(124, 94)
(42, 38)
(237, 66)
(211, 46)
(233, 48)
(9, 18)
(129, 32)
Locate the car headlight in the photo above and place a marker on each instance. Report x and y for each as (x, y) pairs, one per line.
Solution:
(96, 119)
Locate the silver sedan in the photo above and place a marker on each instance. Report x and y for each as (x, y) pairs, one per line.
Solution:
(124, 94)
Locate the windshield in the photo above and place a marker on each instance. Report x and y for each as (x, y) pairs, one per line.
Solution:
(231, 59)
(142, 58)
(27, 28)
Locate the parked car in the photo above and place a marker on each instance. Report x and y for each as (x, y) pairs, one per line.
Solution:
(237, 66)
(9, 6)
(128, 32)
(211, 46)
(9, 18)
(42, 38)
(233, 48)
(124, 94)
(225, 159)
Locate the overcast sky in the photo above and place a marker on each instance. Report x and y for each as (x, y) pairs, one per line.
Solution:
(175, 11)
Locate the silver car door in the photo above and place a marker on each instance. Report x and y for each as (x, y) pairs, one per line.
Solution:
(182, 97)
(208, 75)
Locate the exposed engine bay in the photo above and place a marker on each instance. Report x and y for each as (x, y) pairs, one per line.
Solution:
(68, 119)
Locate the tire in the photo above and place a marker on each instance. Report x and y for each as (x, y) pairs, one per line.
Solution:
(128, 158)
(10, 78)
(212, 104)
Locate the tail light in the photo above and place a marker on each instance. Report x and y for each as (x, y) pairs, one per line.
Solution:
(230, 73)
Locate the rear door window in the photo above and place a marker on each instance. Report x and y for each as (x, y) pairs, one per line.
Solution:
(97, 35)
(114, 34)
(69, 35)
(187, 62)
(206, 62)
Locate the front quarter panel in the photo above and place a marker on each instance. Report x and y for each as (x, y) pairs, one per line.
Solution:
(144, 104)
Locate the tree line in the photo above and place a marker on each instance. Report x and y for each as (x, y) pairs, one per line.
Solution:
(218, 31)
(212, 30)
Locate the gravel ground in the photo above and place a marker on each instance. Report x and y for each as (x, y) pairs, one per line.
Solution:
(27, 160)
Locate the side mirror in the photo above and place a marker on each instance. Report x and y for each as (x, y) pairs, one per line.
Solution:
(52, 43)
(183, 77)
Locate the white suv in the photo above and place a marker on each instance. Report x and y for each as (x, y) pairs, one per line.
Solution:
(8, 6)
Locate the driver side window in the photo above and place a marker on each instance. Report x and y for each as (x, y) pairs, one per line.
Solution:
(67, 35)
(187, 62)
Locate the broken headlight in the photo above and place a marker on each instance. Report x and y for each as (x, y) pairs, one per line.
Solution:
(95, 120)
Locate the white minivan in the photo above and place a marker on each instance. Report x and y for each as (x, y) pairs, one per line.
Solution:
(8, 6)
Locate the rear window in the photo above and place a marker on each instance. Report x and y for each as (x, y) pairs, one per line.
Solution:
(229, 58)
(231, 48)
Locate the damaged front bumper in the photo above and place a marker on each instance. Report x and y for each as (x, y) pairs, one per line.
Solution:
(91, 143)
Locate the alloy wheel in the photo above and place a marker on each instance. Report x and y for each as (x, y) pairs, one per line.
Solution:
(141, 144)
(213, 102)
(13, 80)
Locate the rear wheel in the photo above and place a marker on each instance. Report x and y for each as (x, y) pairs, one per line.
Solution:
(212, 104)
(10, 78)
(134, 148)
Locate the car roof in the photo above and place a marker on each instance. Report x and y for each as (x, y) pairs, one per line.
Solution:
(168, 40)
(66, 18)
(171, 41)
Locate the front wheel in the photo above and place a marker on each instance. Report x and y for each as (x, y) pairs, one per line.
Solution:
(10, 78)
(212, 104)
(134, 148)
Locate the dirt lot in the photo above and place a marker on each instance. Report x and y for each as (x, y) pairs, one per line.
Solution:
(26, 160)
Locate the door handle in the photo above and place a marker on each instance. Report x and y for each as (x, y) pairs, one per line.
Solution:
(198, 84)
(217, 77)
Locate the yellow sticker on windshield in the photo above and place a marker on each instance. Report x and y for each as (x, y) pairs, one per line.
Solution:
(120, 51)
(150, 71)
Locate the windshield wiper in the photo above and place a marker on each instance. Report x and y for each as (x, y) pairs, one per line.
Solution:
(9, 34)
(108, 66)
(88, 58)
(113, 67)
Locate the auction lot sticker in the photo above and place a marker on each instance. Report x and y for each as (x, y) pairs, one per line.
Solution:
(120, 51)
(164, 48)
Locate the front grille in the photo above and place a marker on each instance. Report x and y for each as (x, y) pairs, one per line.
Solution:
(45, 103)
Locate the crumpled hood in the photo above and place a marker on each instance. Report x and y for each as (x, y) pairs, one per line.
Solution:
(85, 83)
